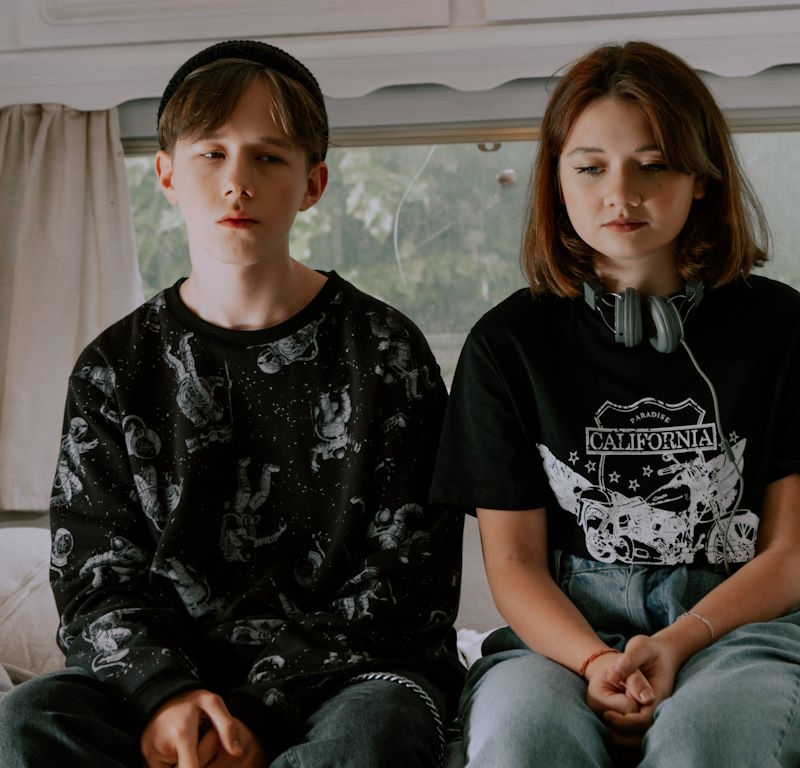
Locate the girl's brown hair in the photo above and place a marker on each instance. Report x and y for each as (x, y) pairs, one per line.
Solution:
(725, 234)
(206, 98)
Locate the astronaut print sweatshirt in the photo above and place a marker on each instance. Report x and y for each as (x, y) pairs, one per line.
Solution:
(246, 511)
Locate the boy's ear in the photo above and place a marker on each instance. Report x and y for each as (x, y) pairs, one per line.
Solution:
(164, 173)
(315, 185)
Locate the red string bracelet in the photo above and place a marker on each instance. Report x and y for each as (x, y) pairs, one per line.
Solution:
(595, 655)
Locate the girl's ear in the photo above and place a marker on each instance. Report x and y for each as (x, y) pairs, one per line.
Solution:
(164, 172)
(699, 187)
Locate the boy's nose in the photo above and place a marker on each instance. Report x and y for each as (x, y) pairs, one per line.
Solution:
(237, 182)
(236, 189)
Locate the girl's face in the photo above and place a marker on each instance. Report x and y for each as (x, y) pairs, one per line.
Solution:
(621, 196)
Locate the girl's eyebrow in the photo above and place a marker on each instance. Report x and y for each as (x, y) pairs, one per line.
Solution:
(600, 150)
(583, 150)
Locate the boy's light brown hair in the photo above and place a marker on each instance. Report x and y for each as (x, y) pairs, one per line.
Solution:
(205, 90)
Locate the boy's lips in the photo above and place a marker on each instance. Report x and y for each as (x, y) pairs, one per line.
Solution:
(237, 219)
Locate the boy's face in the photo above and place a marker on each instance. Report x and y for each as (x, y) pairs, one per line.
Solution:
(240, 187)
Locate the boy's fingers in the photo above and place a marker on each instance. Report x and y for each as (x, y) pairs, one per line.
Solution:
(226, 727)
(187, 754)
(208, 747)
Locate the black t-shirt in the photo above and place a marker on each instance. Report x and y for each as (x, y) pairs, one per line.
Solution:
(621, 444)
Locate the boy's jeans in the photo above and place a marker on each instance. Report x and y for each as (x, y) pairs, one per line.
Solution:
(66, 719)
(735, 704)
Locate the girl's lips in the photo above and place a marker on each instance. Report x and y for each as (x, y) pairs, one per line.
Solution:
(623, 225)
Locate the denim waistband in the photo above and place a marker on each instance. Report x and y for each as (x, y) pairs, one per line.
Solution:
(620, 600)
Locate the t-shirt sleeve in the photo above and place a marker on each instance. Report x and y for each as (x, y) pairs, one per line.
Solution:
(786, 446)
(487, 453)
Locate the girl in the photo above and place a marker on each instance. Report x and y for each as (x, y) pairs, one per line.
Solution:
(638, 502)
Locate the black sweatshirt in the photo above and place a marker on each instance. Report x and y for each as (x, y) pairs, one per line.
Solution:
(246, 511)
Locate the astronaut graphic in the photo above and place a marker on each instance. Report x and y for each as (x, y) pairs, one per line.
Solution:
(301, 346)
(369, 588)
(255, 631)
(330, 416)
(265, 668)
(239, 536)
(400, 364)
(101, 376)
(60, 550)
(306, 568)
(70, 467)
(398, 530)
(192, 588)
(141, 442)
(117, 564)
(152, 320)
(681, 487)
(195, 393)
(154, 506)
(107, 637)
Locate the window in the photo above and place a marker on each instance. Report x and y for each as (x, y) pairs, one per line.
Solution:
(432, 230)
(435, 230)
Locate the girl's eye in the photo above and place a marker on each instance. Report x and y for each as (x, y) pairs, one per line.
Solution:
(591, 170)
(654, 167)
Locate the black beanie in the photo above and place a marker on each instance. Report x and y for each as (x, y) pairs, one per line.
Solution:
(251, 50)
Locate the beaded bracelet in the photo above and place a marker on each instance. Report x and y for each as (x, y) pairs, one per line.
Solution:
(708, 624)
(594, 656)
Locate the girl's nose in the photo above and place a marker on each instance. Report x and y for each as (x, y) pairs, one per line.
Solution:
(621, 191)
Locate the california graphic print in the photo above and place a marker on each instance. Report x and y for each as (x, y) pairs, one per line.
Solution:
(653, 484)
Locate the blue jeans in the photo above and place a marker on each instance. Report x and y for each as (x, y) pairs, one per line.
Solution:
(735, 704)
(68, 719)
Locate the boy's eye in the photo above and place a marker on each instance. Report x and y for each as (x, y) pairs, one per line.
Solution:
(654, 167)
(212, 154)
(270, 158)
(591, 170)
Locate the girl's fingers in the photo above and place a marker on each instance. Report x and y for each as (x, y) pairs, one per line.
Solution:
(639, 689)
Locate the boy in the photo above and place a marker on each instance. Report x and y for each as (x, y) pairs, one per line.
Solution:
(248, 571)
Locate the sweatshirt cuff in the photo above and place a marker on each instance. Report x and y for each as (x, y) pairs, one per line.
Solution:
(159, 690)
(275, 728)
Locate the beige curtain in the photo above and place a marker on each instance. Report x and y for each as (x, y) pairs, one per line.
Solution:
(67, 270)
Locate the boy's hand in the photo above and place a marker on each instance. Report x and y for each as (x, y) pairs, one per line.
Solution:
(211, 752)
(172, 736)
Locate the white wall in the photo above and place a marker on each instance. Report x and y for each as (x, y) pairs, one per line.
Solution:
(93, 54)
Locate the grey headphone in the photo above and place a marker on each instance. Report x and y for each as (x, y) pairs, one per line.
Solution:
(666, 316)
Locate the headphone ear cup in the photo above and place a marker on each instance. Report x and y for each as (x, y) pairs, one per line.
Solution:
(667, 324)
(628, 318)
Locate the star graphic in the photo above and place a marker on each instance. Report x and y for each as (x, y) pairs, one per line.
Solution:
(733, 437)
(590, 466)
(613, 477)
(647, 471)
(633, 485)
(573, 457)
